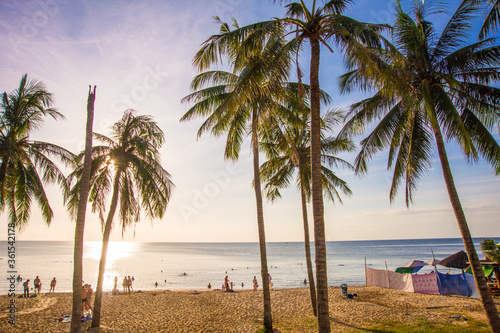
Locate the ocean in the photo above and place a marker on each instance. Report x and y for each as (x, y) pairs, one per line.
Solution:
(191, 266)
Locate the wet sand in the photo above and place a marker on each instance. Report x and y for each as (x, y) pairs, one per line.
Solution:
(241, 311)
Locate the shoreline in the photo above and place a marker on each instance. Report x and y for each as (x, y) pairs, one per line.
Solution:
(241, 311)
(108, 292)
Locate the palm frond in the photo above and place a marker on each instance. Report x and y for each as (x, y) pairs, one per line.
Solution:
(492, 20)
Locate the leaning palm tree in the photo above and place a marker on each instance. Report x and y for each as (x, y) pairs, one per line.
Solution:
(430, 87)
(128, 164)
(76, 325)
(22, 112)
(238, 103)
(288, 148)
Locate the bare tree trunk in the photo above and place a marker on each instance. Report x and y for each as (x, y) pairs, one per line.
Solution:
(307, 244)
(268, 320)
(482, 286)
(76, 324)
(317, 193)
(96, 316)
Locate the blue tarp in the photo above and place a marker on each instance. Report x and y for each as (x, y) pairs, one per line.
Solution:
(455, 284)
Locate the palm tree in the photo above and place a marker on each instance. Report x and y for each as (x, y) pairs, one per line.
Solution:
(76, 324)
(288, 149)
(492, 252)
(240, 102)
(129, 166)
(317, 26)
(429, 85)
(22, 112)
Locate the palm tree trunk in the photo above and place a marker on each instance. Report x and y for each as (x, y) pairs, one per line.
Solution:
(96, 316)
(482, 286)
(310, 273)
(76, 324)
(317, 193)
(268, 320)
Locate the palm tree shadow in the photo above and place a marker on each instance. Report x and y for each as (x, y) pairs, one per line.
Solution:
(336, 321)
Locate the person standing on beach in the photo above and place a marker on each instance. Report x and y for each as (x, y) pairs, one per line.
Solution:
(53, 285)
(26, 286)
(84, 299)
(115, 283)
(125, 284)
(255, 283)
(270, 282)
(36, 284)
(226, 283)
(129, 286)
(90, 291)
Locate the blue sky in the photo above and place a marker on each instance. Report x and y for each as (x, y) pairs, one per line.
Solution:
(139, 55)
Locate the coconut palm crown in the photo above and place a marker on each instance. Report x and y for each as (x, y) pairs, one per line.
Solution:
(23, 111)
(132, 153)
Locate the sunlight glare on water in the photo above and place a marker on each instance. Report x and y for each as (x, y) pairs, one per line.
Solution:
(117, 251)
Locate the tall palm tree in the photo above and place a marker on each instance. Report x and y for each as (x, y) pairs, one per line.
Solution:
(76, 325)
(318, 26)
(23, 111)
(237, 103)
(129, 166)
(430, 86)
(288, 148)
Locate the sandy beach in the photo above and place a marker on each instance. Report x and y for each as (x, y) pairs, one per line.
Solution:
(216, 311)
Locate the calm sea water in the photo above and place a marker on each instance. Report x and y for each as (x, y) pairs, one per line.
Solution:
(209, 262)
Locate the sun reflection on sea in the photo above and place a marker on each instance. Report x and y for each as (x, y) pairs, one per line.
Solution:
(116, 251)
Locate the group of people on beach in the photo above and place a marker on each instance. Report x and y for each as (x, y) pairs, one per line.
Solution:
(256, 284)
(127, 284)
(228, 285)
(37, 285)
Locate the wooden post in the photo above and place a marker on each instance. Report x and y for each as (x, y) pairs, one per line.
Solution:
(434, 261)
(366, 277)
(388, 278)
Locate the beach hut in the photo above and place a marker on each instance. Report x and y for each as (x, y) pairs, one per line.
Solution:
(456, 260)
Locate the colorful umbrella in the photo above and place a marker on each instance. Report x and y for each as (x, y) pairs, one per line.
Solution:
(404, 270)
(416, 264)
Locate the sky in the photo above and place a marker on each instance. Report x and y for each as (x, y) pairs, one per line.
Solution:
(139, 54)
